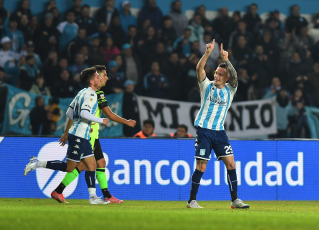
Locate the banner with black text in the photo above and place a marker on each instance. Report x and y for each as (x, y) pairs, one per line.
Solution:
(249, 119)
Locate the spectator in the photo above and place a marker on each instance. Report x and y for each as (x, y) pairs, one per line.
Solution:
(109, 49)
(95, 55)
(314, 84)
(242, 52)
(28, 73)
(30, 51)
(76, 8)
(201, 11)
(132, 37)
(23, 26)
(78, 66)
(116, 80)
(168, 34)
(152, 12)
(85, 21)
(126, 17)
(132, 65)
(56, 16)
(155, 83)
(3, 11)
(75, 45)
(147, 130)
(39, 87)
(51, 69)
(34, 24)
(223, 25)
(147, 46)
(68, 30)
(117, 31)
(15, 35)
(24, 8)
(54, 114)
(102, 33)
(287, 47)
(194, 94)
(64, 87)
(38, 118)
(182, 45)
(197, 31)
(181, 132)
(240, 31)
(130, 108)
(9, 60)
(160, 56)
(274, 89)
(175, 77)
(244, 85)
(46, 37)
(252, 19)
(305, 40)
(107, 13)
(3, 94)
(283, 107)
(295, 21)
(180, 21)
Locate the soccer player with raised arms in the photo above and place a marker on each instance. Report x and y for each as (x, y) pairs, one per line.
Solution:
(81, 111)
(216, 98)
(95, 142)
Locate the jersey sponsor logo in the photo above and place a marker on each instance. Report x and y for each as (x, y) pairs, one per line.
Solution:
(48, 180)
(92, 95)
(218, 100)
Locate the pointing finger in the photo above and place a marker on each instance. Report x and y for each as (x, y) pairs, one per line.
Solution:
(221, 47)
(213, 42)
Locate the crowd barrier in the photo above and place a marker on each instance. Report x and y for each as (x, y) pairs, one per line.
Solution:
(161, 169)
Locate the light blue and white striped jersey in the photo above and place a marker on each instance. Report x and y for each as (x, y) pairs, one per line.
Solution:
(214, 105)
(86, 99)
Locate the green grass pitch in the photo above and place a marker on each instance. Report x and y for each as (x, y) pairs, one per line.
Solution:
(47, 214)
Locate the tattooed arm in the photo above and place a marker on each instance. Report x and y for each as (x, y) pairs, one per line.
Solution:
(230, 68)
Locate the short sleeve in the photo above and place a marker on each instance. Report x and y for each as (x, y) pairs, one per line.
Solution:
(101, 100)
(204, 84)
(72, 105)
(232, 89)
(89, 102)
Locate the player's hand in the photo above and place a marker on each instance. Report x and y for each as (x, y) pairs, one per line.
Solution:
(105, 121)
(64, 139)
(223, 53)
(210, 47)
(131, 123)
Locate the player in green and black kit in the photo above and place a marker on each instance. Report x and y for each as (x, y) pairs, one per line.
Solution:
(95, 142)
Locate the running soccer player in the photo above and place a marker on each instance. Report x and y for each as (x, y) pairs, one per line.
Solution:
(81, 111)
(95, 142)
(216, 98)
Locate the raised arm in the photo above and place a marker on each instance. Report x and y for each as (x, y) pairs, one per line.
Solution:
(231, 70)
(201, 74)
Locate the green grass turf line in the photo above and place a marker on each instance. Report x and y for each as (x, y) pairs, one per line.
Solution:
(48, 214)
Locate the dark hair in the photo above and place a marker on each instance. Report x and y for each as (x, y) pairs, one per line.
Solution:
(86, 75)
(99, 68)
(150, 122)
(222, 65)
(28, 57)
(183, 126)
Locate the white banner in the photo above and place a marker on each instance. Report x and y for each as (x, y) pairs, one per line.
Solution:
(248, 119)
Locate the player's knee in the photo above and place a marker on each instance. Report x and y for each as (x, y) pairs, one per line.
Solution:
(101, 163)
(91, 166)
(230, 166)
(69, 169)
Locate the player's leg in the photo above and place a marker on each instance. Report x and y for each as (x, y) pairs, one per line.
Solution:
(224, 152)
(202, 155)
(72, 160)
(100, 172)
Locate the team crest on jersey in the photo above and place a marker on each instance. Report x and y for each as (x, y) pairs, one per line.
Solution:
(92, 95)
(91, 99)
(102, 96)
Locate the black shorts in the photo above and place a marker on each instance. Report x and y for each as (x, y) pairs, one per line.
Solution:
(98, 153)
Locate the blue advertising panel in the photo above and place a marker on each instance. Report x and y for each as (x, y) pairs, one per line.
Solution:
(161, 169)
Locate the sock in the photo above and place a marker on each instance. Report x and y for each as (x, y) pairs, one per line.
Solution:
(197, 175)
(92, 192)
(90, 181)
(232, 183)
(68, 178)
(101, 178)
(56, 165)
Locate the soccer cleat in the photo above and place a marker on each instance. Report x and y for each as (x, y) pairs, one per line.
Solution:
(97, 200)
(58, 197)
(31, 166)
(113, 200)
(238, 203)
(193, 204)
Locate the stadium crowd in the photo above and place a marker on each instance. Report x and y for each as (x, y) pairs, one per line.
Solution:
(155, 55)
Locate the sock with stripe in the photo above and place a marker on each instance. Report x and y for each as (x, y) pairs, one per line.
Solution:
(90, 181)
(196, 177)
(56, 165)
(232, 183)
